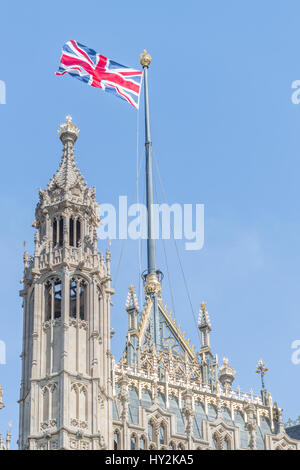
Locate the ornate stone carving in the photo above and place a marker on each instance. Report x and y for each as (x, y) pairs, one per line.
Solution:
(78, 423)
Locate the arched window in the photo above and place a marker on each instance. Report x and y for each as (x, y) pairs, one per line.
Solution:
(79, 402)
(78, 230)
(172, 446)
(61, 231)
(212, 412)
(49, 402)
(133, 406)
(116, 440)
(54, 237)
(263, 429)
(162, 434)
(244, 435)
(78, 299)
(161, 400)
(226, 443)
(174, 408)
(180, 446)
(53, 298)
(214, 443)
(58, 232)
(226, 415)
(150, 432)
(73, 290)
(71, 232)
(48, 300)
(57, 299)
(199, 417)
(142, 443)
(74, 232)
(133, 442)
(146, 398)
(82, 301)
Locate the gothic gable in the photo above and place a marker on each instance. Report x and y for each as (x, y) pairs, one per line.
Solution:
(172, 339)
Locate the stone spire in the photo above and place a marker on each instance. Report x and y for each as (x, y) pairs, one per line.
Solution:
(203, 319)
(205, 328)
(68, 175)
(131, 302)
(132, 309)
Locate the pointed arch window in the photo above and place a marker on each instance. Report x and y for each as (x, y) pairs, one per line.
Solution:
(78, 230)
(53, 299)
(74, 232)
(57, 299)
(162, 434)
(71, 231)
(142, 443)
(78, 300)
(54, 233)
(226, 443)
(150, 432)
(61, 231)
(48, 300)
(133, 442)
(116, 440)
(58, 232)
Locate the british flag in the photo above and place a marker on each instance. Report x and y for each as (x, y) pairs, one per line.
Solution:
(98, 71)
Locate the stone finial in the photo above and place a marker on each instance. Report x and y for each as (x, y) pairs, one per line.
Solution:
(25, 259)
(226, 375)
(262, 370)
(68, 130)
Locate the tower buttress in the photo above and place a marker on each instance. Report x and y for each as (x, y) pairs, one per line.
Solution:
(66, 390)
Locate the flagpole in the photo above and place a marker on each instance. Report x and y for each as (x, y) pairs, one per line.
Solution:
(145, 60)
(152, 277)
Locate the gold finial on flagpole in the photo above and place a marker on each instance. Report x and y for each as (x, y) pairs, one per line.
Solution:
(145, 59)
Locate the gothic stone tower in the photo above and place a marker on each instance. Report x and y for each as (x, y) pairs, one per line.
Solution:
(65, 398)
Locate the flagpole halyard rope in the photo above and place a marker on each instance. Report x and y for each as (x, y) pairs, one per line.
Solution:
(177, 251)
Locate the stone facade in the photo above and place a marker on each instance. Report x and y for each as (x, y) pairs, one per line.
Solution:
(162, 394)
(65, 399)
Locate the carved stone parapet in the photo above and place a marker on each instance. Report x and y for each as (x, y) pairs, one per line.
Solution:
(82, 324)
(77, 423)
(47, 324)
(48, 424)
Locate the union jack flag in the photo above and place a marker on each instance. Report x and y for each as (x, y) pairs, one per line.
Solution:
(98, 71)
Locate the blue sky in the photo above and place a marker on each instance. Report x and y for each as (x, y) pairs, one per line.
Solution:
(225, 134)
